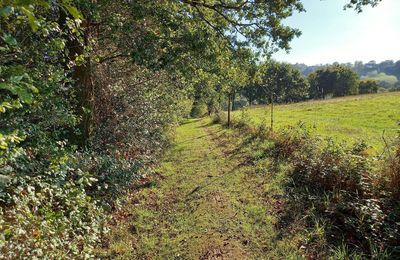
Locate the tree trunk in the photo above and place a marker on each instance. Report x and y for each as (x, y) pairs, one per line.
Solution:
(82, 77)
(272, 112)
(233, 101)
(229, 110)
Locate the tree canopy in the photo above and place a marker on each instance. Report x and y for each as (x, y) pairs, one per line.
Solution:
(336, 80)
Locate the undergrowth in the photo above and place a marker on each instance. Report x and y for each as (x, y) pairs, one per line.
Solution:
(343, 199)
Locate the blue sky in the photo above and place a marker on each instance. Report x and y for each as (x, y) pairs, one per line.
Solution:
(331, 34)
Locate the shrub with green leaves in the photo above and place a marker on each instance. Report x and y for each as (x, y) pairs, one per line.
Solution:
(45, 210)
(49, 215)
(219, 118)
(54, 188)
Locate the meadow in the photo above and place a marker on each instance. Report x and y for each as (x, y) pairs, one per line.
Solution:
(371, 117)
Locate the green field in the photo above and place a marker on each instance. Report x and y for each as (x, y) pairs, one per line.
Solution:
(389, 79)
(362, 117)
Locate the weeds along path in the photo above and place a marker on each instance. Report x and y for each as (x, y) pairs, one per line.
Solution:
(206, 204)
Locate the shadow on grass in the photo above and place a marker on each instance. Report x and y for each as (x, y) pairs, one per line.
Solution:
(205, 125)
(189, 121)
(196, 138)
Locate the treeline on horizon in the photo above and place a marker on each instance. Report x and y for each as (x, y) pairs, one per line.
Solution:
(279, 82)
(387, 72)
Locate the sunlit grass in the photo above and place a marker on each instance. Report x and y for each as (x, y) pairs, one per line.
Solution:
(362, 117)
(208, 201)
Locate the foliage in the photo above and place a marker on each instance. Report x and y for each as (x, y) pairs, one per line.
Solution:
(219, 118)
(285, 82)
(46, 210)
(88, 100)
(244, 119)
(391, 171)
(281, 80)
(49, 215)
(355, 209)
(336, 80)
(135, 110)
(359, 4)
(368, 86)
(384, 80)
(386, 72)
(199, 110)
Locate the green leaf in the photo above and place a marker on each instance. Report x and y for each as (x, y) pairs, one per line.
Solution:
(4, 106)
(21, 92)
(4, 180)
(71, 9)
(5, 11)
(32, 21)
(10, 40)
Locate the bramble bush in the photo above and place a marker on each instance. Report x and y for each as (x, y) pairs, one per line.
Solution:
(114, 176)
(46, 211)
(341, 187)
(45, 207)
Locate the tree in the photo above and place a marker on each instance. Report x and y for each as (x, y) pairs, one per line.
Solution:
(284, 81)
(89, 92)
(234, 77)
(176, 36)
(368, 86)
(335, 80)
(206, 93)
(359, 4)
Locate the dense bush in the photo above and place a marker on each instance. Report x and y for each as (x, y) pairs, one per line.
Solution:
(368, 86)
(114, 176)
(46, 210)
(342, 188)
(49, 213)
(391, 172)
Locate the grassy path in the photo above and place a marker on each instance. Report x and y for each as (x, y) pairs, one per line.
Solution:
(206, 204)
